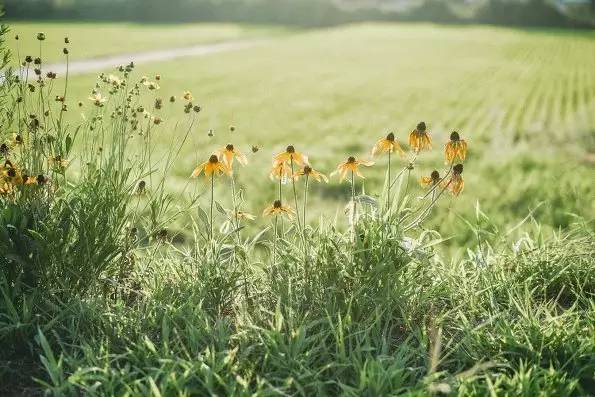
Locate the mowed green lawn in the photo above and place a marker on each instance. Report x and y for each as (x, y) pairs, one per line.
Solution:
(88, 40)
(524, 100)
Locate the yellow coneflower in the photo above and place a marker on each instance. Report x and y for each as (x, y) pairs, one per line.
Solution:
(456, 147)
(419, 138)
(431, 180)
(114, 80)
(97, 99)
(240, 215)
(277, 208)
(212, 167)
(456, 183)
(352, 165)
(151, 85)
(289, 155)
(11, 175)
(229, 152)
(58, 161)
(310, 172)
(280, 171)
(17, 140)
(388, 144)
(6, 188)
(30, 180)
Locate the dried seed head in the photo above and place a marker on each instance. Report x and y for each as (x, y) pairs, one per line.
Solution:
(41, 36)
(37, 61)
(435, 175)
(28, 59)
(65, 51)
(66, 40)
(457, 169)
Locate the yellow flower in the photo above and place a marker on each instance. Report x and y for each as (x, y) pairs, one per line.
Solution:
(240, 215)
(97, 99)
(114, 80)
(5, 188)
(152, 85)
(30, 180)
(310, 172)
(280, 171)
(229, 152)
(58, 161)
(456, 147)
(212, 167)
(419, 138)
(10, 174)
(352, 165)
(456, 182)
(388, 144)
(278, 209)
(290, 154)
(432, 180)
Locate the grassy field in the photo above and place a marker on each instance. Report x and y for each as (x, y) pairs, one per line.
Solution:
(89, 40)
(524, 99)
(107, 288)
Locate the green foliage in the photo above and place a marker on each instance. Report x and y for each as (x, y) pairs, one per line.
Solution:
(97, 297)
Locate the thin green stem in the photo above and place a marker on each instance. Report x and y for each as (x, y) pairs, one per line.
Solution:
(212, 202)
(388, 198)
(235, 208)
(305, 198)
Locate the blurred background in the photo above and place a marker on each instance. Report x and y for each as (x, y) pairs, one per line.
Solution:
(560, 13)
(516, 79)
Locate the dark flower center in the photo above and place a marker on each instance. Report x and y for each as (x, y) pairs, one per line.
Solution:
(390, 137)
(458, 169)
(229, 147)
(41, 179)
(307, 170)
(213, 159)
(435, 175)
(351, 159)
(12, 172)
(454, 136)
(277, 204)
(290, 149)
(421, 127)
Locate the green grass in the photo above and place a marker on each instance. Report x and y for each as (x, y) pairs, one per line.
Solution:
(524, 99)
(104, 291)
(95, 39)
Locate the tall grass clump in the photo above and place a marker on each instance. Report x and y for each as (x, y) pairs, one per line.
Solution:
(110, 287)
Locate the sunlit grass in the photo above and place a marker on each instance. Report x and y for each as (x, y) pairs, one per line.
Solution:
(525, 98)
(121, 275)
(96, 39)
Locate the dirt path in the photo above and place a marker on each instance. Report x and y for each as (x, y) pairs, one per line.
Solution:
(109, 62)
